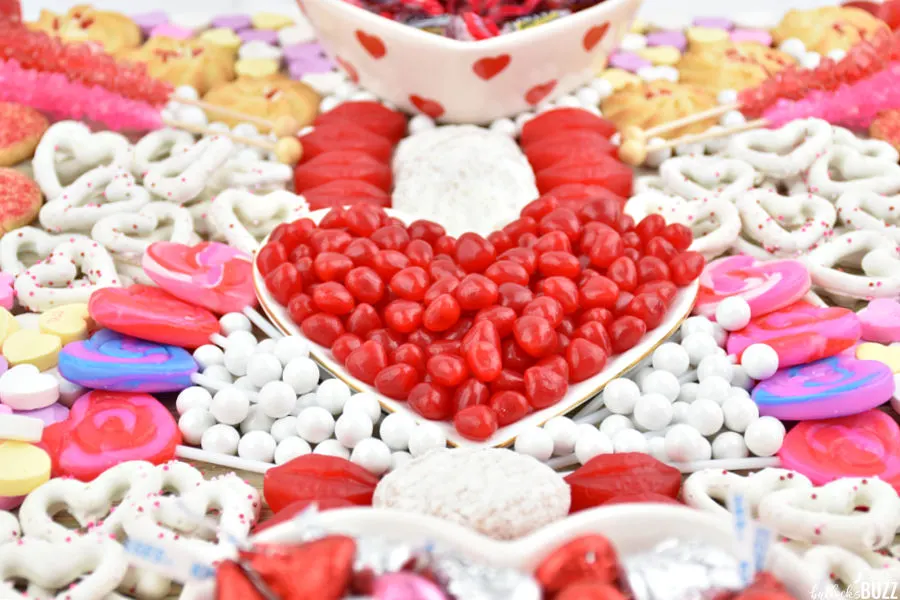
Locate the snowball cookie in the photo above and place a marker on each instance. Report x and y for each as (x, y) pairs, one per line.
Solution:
(500, 493)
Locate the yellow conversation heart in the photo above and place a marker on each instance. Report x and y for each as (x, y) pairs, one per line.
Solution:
(702, 36)
(264, 20)
(222, 37)
(661, 55)
(8, 324)
(889, 355)
(27, 346)
(256, 67)
(69, 323)
(639, 26)
(23, 467)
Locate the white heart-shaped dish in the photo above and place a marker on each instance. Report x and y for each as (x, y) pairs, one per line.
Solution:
(578, 393)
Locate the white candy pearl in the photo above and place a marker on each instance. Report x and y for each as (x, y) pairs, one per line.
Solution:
(290, 448)
(663, 383)
(220, 439)
(760, 361)
(395, 430)
(256, 420)
(263, 368)
(656, 447)
(398, 459)
(193, 423)
(315, 424)
(240, 337)
(568, 101)
(504, 127)
(629, 440)
(351, 428)
(811, 60)
(192, 115)
(277, 399)
(332, 448)
(329, 103)
(632, 41)
(733, 313)
(729, 444)
(284, 428)
(715, 366)
(244, 383)
(564, 433)
(366, 403)
(620, 395)
(591, 443)
(793, 46)
(588, 96)
(426, 437)
(603, 86)
(231, 322)
(656, 158)
(721, 336)
(304, 401)
(186, 92)
(267, 346)
(245, 130)
(739, 377)
(522, 119)
(290, 347)
(688, 392)
(420, 123)
(764, 436)
(683, 443)
(653, 412)
(535, 442)
(641, 373)
(257, 445)
(208, 354)
(332, 395)
(727, 97)
(237, 356)
(671, 357)
(732, 118)
(837, 54)
(680, 412)
(192, 397)
(714, 388)
(699, 346)
(739, 413)
(373, 455)
(302, 374)
(696, 325)
(705, 416)
(230, 406)
(615, 423)
(217, 373)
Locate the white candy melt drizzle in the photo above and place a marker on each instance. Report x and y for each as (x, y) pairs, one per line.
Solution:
(131, 233)
(234, 213)
(184, 176)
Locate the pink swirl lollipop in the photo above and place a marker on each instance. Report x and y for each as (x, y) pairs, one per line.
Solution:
(766, 286)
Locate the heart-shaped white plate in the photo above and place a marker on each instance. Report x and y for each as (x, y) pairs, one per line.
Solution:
(632, 528)
(578, 393)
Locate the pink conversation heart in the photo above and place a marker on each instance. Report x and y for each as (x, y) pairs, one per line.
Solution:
(880, 321)
(7, 293)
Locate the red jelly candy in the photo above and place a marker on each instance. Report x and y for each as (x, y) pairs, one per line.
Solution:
(605, 171)
(646, 497)
(589, 557)
(371, 115)
(563, 119)
(590, 590)
(344, 136)
(315, 476)
(345, 192)
(571, 195)
(335, 166)
(583, 146)
(609, 475)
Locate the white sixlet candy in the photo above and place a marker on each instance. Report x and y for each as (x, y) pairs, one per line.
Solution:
(398, 459)
(653, 412)
(564, 433)
(290, 347)
(671, 357)
(365, 402)
(733, 313)
(373, 455)
(699, 345)
(683, 443)
(230, 405)
(760, 361)
(241, 338)
(680, 411)
(714, 388)
(208, 354)
(302, 374)
(661, 382)
(705, 416)
(266, 346)
(688, 392)
(232, 322)
(332, 395)
(221, 439)
(290, 448)
(277, 399)
(351, 428)
(192, 397)
(257, 420)
(615, 423)
(332, 448)
(739, 412)
(729, 444)
(193, 423)
(535, 442)
(395, 430)
(764, 436)
(236, 358)
(620, 395)
(591, 443)
(696, 325)
(263, 368)
(217, 373)
(257, 445)
(284, 428)
(426, 437)
(715, 366)
(315, 424)
(629, 440)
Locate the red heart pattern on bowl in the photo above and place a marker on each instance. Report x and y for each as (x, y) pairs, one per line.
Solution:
(372, 43)
(491, 66)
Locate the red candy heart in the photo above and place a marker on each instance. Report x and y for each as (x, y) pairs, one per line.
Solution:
(152, 314)
(594, 35)
(372, 43)
(317, 477)
(489, 67)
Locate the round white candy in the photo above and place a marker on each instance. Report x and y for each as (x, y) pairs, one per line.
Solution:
(653, 412)
(244, 383)
(620, 395)
(663, 383)
(400, 458)
(699, 346)
(739, 413)
(764, 436)
(236, 358)
(420, 123)
(351, 428)
(656, 447)
(760, 361)
(284, 428)
(332, 448)
(633, 41)
(241, 338)
(733, 313)
(267, 346)
(192, 397)
(395, 430)
(290, 448)
(727, 97)
(810, 60)
(568, 101)
(688, 392)
(642, 373)
(218, 373)
(221, 439)
(705, 416)
(263, 368)
(535, 442)
(315, 424)
(256, 420)
(290, 347)
(504, 127)
(715, 366)
(603, 86)
(426, 437)
(332, 395)
(366, 403)
(696, 325)
(732, 118)
(277, 399)
(680, 411)
(230, 406)
(837, 54)
(257, 445)
(193, 423)
(714, 388)
(302, 374)
(683, 443)
(721, 336)
(629, 440)
(373, 455)
(671, 357)
(186, 92)
(588, 97)
(615, 423)
(523, 118)
(591, 443)
(793, 46)
(232, 322)
(564, 432)
(208, 354)
(729, 444)
(739, 377)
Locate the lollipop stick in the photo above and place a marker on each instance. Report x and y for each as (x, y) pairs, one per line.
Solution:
(595, 403)
(217, 384)
(282, 126)
(222, 460)
(594, 418)
(219, 340)
(708, 135)
(730, 464)
(717, 111)
(263, 324)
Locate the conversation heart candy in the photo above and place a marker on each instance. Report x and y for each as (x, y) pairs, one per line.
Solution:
(69, 323)
(24, 387)
(8, 324)
(7, 292)
(23, 467)
(832, 387)
(48, 415)
(799, 333)
(211, 275)
(112, 361)
(27, 346)
(887, 355)
(765, 285)
(880, 321)
(152, 314)
(107, 428)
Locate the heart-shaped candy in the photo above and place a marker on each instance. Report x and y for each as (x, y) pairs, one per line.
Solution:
(23, 467)
(29, 347)
(842, 169)
(48, 415)
(212, 275)
(859, 209)
(799, 333)
(27, 246)
(887, 355)
(766, 286)
(783, 152)
(69, 323)
(775, 225)
(880, 321)
(704, 178)
(111, 361)
(152, 314)
(24, 387)
(234, 209)
(8, 324)
(877, 256)
(131, 233)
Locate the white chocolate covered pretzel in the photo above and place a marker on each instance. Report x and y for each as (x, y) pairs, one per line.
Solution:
(10, 531)
(97, 194)
(872, 148)
(707, 177)
(26, 246)
(775, 225)
(829, 515)
(56, 282)
(842, 169)
(868, 210)
(131, 233)
(783, 152)
(183, 176)
(251, 174)
(649, 183)
(877, 256)
(852, 575)
(234, 211)
(157, 146)
(710, 489)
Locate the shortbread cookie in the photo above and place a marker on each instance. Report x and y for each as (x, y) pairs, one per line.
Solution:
(21, 128)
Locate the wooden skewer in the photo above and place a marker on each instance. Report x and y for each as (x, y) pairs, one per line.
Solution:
(634, 151)
(636, 133)
(282, 126)
(287, 149)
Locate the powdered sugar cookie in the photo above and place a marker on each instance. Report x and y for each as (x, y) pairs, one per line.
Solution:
(710, 489)
(29, 245)
(233, 210)
(183, 177)
(428, 143)
(157, 146)
(21, 128)
(497, 492)
(835, 266)
(702, 178)
(779, 226)
(783, 152)
(131, 233)
(843, 169)
(20, 200)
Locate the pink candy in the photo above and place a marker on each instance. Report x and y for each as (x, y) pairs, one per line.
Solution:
(172, 31)
(880, 321)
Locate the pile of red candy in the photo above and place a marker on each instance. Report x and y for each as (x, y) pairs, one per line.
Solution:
(480, 331)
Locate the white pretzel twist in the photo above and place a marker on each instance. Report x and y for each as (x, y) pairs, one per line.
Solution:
(98, 193)
(783, 152)
(842, 169)
(790, 186)
(853, 575)
(255, 175)
(775, 225)
(131, 273)
(880, 264)
(233, 210)
(649, 183)
(707, 177)
(877, 149)
(55, 282)
(69, 146)
(182, 177)
(828, 515)
(709, 489)
(157, 146)
(27, 246)
(868, 210)
(131, 233)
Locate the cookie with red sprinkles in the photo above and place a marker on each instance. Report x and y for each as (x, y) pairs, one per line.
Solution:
(21, 128)
(886, 127)
(20, 200)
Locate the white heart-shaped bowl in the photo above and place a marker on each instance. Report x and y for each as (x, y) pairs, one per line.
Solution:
(463, 82)
(578, 393)
(632, 528)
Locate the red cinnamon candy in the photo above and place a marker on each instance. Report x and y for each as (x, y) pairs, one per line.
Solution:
(10, 10)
